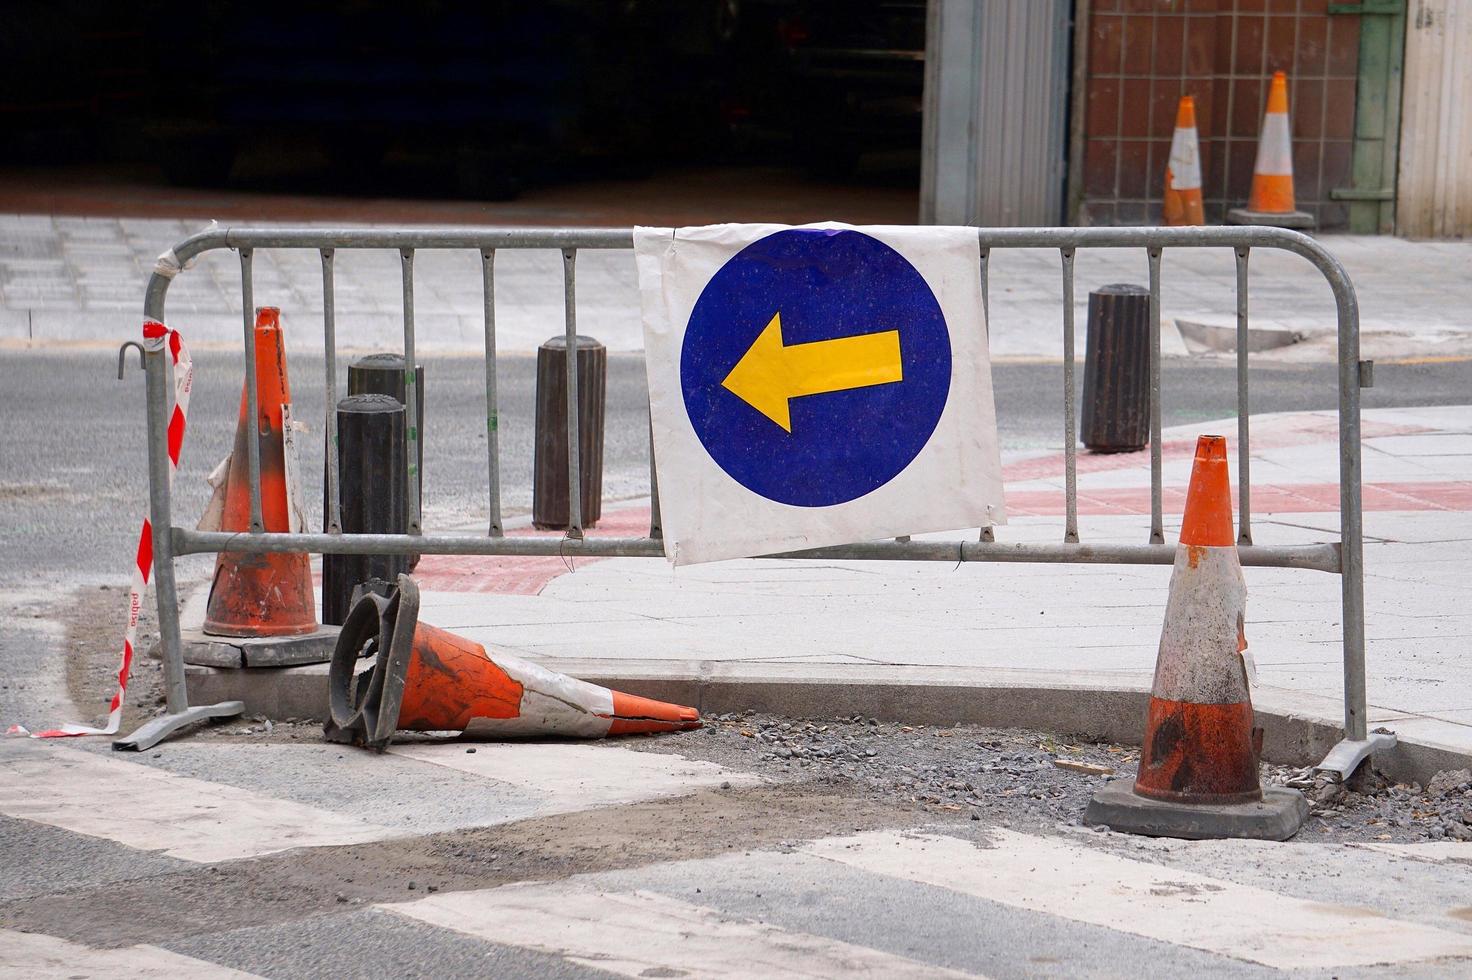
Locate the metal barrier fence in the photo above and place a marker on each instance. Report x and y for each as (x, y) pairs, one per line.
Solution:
(1344, 558)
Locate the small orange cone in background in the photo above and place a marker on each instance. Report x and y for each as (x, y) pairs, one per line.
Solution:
(262, 594)
(1198, 774)
(1271, 201)
(426, 679)
(1182, 205)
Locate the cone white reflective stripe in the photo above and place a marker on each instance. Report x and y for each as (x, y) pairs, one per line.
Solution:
(551, 703)
(1275, 148)
(1185, 160)
(1203, 624)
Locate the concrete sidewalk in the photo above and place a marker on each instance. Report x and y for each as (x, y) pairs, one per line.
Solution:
(81, 280)
(1064, 648)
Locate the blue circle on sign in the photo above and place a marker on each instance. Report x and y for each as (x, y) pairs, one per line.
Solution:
(815, 366)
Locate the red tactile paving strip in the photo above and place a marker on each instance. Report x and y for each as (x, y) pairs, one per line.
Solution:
(1280, 434)
(517, 575)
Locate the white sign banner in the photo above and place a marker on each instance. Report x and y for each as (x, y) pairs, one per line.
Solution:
(816, 385)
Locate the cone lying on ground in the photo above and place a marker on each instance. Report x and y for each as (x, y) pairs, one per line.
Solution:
(262, 594)
(426, 679)
(1271, 200)
(1199, 739)
(1182, 205)
(1198, 775)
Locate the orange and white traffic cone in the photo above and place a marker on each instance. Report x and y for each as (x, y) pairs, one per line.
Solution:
(1198, 773)
(425, 679)
(1271, 200)
(1182, 204)
(262, 595)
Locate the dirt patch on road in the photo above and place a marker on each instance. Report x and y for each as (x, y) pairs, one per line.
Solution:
(1033, 781)
(95, 618)
(320, 881)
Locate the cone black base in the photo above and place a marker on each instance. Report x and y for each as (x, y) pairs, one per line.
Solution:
(1274, 219)
(203, 650)
(1276, 817)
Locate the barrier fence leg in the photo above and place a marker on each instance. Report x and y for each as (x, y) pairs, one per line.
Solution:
(179, 712)
(1359, 743)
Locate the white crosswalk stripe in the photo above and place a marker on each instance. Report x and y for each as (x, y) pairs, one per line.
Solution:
(1436, 852)
(643, 934)
(193, 819)
(153, 810)
(37, 957)
(1175, 906)
(573, 776)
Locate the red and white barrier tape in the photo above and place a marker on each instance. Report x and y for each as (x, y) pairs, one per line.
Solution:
(156, 337)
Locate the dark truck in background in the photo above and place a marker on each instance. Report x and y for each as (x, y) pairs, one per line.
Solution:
(477, 99)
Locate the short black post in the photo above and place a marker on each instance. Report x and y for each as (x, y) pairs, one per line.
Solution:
(383, 374)
(374, 485)
(1116, 408)
(549, 483)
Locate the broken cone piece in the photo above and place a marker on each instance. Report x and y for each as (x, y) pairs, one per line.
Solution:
(426, 679)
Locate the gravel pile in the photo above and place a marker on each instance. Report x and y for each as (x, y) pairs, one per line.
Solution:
(1021, 778)
(1372, 807)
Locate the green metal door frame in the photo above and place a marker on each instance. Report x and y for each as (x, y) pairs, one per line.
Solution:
(1376, 115)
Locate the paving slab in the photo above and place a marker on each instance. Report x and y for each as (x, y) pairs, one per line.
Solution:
(71, 279)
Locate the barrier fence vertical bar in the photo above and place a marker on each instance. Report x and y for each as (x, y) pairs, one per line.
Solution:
(1351, 527)
(493, 415)
(656, 523)
(1070, 434)
(574, 461)
(329, 341)
(411, 392)
(1244, 474)
(252, 400)
(1157, 524)
(986, 309)
(156, 369)
(988, 534)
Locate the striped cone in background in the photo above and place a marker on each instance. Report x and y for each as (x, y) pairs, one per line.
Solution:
(426, 679)
(1198, 772)
(263, 594)
(1271, 200)
(1182, 205)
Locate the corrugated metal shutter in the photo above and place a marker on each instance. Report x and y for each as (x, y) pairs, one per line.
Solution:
(1434, 193)
(996, 89)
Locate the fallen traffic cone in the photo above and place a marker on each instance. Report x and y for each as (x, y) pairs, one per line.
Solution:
(1271, 200)
(1182, 205)
(425, 679)
(262, 594)
(1198, 774)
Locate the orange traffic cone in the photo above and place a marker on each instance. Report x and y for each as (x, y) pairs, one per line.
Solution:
(1198, 772)
(262, 594)
(1182, 205)
(1271, 200)
(426, 679)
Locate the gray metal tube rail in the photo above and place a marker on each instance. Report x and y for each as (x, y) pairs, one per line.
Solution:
(1344, 558)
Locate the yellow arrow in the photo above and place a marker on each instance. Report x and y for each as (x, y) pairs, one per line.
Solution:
(771, 373)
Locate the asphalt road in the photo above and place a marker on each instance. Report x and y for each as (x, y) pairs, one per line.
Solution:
(73, 480)
(407, 859)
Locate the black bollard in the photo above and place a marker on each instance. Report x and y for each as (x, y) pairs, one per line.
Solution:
(549, 483)
(373, 483)
(383, 374)
(1116, 408)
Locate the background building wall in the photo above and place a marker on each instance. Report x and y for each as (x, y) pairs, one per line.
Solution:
(996, 89)
(1145, 54)
(1435, 187)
